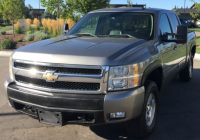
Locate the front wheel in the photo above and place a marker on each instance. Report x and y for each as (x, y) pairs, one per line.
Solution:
(186, 74)
(144, 125)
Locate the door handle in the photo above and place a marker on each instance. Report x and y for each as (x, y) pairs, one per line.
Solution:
(175, 48)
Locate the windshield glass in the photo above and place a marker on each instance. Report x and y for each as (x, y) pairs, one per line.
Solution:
(138, 25)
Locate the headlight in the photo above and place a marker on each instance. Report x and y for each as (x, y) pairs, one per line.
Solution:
(10, 69)
(123, 77)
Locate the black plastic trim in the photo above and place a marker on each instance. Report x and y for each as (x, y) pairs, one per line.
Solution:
(71, 102)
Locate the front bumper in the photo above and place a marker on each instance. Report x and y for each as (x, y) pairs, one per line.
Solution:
(100, 106)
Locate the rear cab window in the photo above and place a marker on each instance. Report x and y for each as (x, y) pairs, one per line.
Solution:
(174, 22)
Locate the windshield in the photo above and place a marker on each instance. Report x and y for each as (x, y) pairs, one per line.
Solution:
(119, 24)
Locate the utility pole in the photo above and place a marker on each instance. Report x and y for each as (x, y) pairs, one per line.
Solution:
(39, 4)
(184, 6)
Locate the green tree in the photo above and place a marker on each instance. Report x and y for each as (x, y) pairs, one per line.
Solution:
(29, 6)
(130, 4)
(52, 6)
(26, 11)
(176, 10)
(197, 7)
(175, 7)
(12, 10)
(85, 6)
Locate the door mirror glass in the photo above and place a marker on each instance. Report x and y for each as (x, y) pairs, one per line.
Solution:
(65, 29)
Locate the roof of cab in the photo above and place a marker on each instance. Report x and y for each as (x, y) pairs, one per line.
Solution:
(149, 10)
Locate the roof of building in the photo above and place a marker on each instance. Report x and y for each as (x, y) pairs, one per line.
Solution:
(36, 9)
(192, 6)
(188, 11)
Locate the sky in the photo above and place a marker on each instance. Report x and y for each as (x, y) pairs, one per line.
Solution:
(164, 4)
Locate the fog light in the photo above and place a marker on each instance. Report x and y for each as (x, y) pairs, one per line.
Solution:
(117, 115)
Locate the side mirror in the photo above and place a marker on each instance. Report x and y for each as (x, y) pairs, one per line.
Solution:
(181, 35)
(65, 29)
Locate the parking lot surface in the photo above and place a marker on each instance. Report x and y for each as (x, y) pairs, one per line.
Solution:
(178, 117)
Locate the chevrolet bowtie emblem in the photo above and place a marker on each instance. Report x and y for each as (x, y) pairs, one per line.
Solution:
(49, 76)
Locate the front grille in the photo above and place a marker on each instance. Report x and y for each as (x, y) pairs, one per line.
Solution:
(58, 84)
(58, 69)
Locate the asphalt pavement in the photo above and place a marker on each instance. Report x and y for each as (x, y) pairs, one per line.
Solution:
(178, 117)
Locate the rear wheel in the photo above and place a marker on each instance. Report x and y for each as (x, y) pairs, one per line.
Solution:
(186, 74)
(144, 125)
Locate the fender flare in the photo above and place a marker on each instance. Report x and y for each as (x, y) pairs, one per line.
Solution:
(193, 44)
(151, 68)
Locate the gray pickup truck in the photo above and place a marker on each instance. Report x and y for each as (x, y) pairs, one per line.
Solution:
(108, 68)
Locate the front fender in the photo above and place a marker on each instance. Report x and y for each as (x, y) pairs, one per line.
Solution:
(151, 68)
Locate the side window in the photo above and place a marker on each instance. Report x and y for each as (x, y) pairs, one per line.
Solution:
(164, 25)
(174, 22)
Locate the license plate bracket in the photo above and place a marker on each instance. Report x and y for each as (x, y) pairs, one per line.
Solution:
(52, 118)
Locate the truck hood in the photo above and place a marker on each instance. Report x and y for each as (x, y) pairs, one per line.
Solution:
(79, 50)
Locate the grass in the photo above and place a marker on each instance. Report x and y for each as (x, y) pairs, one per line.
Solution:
(198, 50)
(198, 41)
(194, 29)
(6, 28)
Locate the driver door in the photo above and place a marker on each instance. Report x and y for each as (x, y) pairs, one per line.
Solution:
(168, 54)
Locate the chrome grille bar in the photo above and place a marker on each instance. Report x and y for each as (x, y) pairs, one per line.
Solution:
(101, 79)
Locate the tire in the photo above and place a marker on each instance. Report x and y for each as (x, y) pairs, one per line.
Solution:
(140, 127)
(186, 74)
(192, 26)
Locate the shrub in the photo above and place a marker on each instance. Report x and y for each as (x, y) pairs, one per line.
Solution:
(36, 22)
(54, 27)
(18, 28)
(61, 22)
(29, 32)
(44, 23)
(71, 23)
(41, 35)
(29, 37)
(48, 23)
(2, 32)
(28, 23)
(8, 44)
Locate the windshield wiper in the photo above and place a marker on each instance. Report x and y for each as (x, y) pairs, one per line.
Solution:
(120, 36)
(84, 34)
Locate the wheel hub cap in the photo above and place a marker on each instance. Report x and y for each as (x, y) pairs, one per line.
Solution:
(150, 109)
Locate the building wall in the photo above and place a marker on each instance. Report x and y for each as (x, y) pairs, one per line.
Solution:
(186, 16)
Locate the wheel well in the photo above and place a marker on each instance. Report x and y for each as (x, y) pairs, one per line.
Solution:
(193, 51)
(156, 76)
